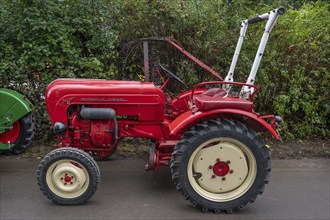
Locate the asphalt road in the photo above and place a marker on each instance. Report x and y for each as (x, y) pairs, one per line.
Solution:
(298, 189)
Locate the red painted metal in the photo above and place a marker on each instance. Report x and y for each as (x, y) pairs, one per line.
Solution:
(140, 112)
(206, 103)
(181, 103)
(75, 164)
(223, 83)
(220, 168)
(12, 134)
(186, 120)
(128, 98)
(174, 43)
(67, 179)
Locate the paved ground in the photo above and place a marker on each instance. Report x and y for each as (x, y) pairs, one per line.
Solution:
(298, 189)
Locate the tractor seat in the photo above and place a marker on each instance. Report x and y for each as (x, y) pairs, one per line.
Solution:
(214, 92)
(217, 98)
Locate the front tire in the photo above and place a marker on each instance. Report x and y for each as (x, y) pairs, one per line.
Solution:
(220, 165)
(68, 176)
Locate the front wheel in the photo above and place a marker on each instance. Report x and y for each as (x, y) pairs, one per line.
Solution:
(220, 165)
(68, 176)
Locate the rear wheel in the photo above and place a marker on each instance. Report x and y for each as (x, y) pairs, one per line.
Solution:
(21, 134)
(220, 165)
(68, 176)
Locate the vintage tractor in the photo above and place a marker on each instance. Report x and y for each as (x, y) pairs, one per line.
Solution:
(17, 127)
(207, 135)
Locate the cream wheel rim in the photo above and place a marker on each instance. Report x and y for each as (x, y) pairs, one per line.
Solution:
(67, 179)
(222, 169)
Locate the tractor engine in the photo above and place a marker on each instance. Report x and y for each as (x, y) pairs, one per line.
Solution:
(93, 129)
(83, 112)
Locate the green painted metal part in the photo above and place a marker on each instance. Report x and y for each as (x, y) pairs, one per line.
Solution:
(13, 106)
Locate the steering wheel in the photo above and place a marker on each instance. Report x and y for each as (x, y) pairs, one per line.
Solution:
(171, 75)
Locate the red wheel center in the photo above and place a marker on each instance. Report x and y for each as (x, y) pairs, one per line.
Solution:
(11, 135)
(220, 168)
(67, 179)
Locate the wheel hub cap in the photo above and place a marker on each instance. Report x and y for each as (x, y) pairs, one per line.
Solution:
(66, 179)
(229, 169)
(221, 168)
(11, 135)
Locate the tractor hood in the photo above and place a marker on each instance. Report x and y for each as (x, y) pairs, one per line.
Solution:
(128, 98)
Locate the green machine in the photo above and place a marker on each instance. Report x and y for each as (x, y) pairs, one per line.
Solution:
(17, 126)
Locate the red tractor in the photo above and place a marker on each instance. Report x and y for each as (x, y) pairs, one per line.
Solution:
(207, 135)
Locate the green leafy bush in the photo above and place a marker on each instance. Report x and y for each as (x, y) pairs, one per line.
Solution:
(42, 40)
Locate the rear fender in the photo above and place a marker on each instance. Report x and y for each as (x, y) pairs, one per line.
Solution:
(13, 107)
(189, 119)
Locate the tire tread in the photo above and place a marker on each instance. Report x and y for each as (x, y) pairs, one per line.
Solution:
(28, 129)
(71, 153)
(213, 125)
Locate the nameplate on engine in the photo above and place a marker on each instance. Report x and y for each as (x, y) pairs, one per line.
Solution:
(103, 100)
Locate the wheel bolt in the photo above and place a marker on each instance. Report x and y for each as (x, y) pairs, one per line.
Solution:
(71, 183)
(231, 171)
(213, 176)
(218, 159)
(228, 161)
(210, 167)
(64, 183)
(66, 174)
(223, 178)
(61, 178)
(72, 177)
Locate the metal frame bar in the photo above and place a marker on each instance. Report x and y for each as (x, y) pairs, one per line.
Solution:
(271, 19)
(146, 60)
(271, 16)
(175, 44)
(230, 76)
(192, 58)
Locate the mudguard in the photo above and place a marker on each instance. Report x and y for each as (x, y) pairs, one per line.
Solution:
(13, 107)
(188, 119)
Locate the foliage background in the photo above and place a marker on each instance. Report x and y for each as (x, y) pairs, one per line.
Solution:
(42, 40)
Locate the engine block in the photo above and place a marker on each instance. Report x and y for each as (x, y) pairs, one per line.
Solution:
(89, 134)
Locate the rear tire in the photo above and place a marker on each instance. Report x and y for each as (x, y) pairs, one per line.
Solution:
(220, 165)
(68, 176)
(21, 134)
(27, 131)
